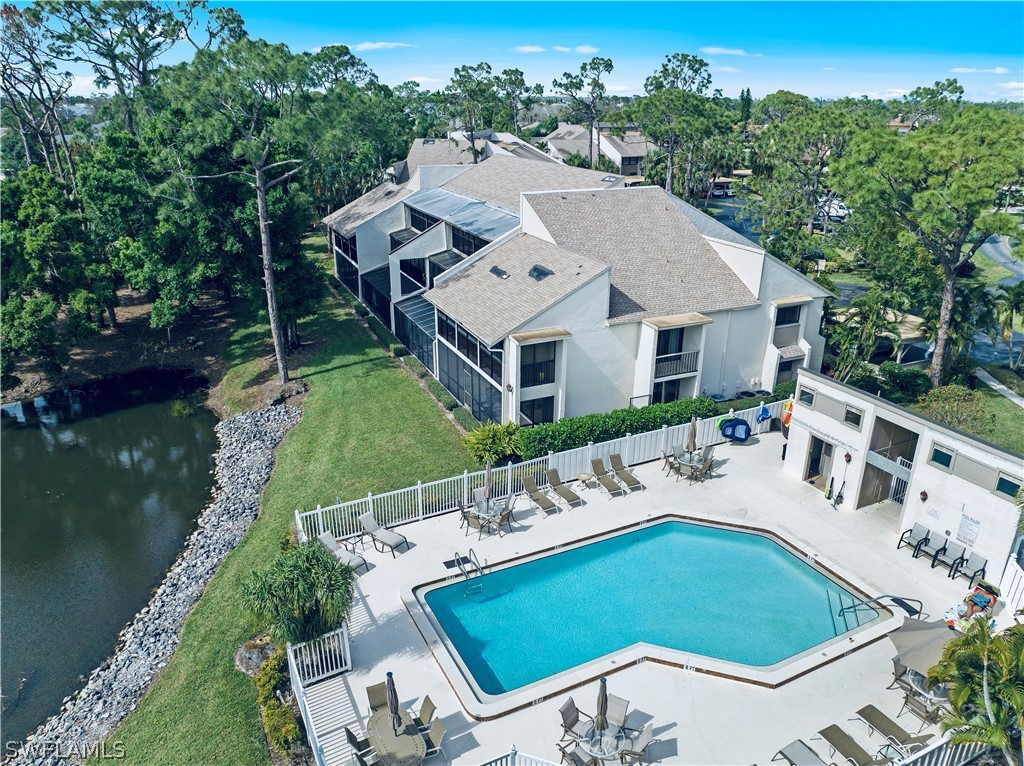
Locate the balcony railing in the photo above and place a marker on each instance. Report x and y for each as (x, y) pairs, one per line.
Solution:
(676, 364)
(536, 374)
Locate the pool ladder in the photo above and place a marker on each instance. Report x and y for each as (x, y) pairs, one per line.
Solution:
(471, 570)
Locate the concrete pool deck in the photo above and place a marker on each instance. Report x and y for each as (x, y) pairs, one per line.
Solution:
(698, 718)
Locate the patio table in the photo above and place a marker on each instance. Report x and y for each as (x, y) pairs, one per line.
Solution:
(488, 509)
(406, 748)
(607, 743)
(691, 460)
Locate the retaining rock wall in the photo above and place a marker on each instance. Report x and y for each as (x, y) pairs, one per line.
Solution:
(243, 466)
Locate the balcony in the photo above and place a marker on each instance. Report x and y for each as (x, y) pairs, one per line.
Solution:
(536, 374)
(672, 365)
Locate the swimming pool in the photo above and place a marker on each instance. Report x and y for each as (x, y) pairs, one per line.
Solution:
(734, 596)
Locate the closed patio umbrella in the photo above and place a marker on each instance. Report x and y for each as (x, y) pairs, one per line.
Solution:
(601, 717)
(920, 644)
(396, 717)
(487, 480)
(691, 440)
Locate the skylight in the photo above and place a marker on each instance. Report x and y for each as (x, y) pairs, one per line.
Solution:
(428, 140)
(538, 272)
(499, 272)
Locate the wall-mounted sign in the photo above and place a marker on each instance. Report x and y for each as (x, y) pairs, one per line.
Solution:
(967, 534)
(934, 513)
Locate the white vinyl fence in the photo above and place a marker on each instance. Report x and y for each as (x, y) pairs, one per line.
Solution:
(515, 758)
(447, 495)
(944, 753)
(320, 658)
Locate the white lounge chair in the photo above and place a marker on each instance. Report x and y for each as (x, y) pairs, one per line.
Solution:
(381, 536)
(345, 556)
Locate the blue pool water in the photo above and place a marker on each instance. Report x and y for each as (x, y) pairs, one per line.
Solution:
(703, 590)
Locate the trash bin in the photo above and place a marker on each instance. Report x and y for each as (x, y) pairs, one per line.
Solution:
(784, 445)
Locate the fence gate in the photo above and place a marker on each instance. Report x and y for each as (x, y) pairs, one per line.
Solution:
(898, 488)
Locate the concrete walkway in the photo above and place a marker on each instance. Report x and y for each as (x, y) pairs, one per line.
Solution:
(993, 383)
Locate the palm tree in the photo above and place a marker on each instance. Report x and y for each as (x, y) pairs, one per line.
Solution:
(1010, 305)
(985, 674)
(304, 594)
(868, 319)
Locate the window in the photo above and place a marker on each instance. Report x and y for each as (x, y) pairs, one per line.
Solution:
(537, 364)
(347, 245)
(807, 396)
(487, 359)
(941, 456)
(421, 221)
(787, 315)
(1007, 486)
(465, 242)
(630, 161)
(538, 410)
(786, 366)
(853, 417)
(670, 341)
(415, 269)
(666, 391)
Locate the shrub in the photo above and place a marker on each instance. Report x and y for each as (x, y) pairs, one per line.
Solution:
(465, 418)
(440, 393)
(398, 349)
(492, 441)
(282, 727)
(784, 390)
(384, 335)
(362, 311)
(570, 433)
(863, 377)
(269, 677)
(903, 384)
(959, 407)
(960, 372)
(416, 366)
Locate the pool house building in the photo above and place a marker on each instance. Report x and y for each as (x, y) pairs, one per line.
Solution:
(535, 291)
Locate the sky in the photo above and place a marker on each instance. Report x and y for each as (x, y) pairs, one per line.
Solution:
(820, 49)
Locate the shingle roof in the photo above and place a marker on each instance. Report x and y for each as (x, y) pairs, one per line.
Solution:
(501, 180)
(441, 151)
(364, 208)
(568, 146)
(491, 307)
(632, 144)
(660, 262)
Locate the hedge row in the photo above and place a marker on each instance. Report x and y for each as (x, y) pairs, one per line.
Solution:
(465, 418)
(571, 433)
(781, 391)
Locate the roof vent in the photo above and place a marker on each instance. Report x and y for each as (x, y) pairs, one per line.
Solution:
(538, 272)
(429, 140)
(499, 272)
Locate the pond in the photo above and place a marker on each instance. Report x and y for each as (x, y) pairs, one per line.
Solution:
(101, 486)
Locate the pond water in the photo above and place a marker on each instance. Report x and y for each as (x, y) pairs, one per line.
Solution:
(101, 485)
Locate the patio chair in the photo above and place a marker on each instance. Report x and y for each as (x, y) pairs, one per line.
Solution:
(561, 489)
(345, 556)
(623, 474)
(636, 748)
(423, 718)
(972, 568)
(541, 500)
(617, 711)
(840, 742)
(577, 756)
(899, 676)
(474, 522)
(892, 731)
(358, 744)
(572, 723)
(604, 479)
(505, 519)
(703, 471)
(915, 537)
(381, 536)
(669, 462)
(479, 495)
(932, 547)
(924, 712)
(378, 696)
(464, 514)
(799, 753)
(433, 739)
(951, 556)
(361, 761)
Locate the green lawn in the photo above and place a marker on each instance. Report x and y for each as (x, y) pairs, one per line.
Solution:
(1006, 431)
(367, 426)
(1006, 376)
(988, 273)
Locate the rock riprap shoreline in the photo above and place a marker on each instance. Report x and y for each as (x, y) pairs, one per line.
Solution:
(244, 462)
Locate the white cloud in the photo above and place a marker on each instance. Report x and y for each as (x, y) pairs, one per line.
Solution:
(425, 80)
(975, 70)
(562, 49)
(380, 46)
(577, 49)
(887, 93)
(1017, 86)
(726, 69)
(620, 88)
(829, 69)
(84, 86)
(528, 49)
(714, 50)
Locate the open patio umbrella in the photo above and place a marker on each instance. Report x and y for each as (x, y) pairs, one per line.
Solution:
(601, 717)
(919, 644)
(396, 717)
(691, 440)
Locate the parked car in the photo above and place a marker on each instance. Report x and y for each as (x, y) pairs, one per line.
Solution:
(717, 191)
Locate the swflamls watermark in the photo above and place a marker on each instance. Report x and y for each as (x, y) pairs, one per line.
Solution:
(110, 750)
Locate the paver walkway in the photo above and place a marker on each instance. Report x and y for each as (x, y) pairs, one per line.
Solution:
(993, 383)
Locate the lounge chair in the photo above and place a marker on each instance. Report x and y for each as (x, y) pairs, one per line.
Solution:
(378, 696)
(932, 547)
(617, 711)
(924, 712)
(423, 718)
(636, 748)
(950, 556)
(623, 474)
(892, 731)
(345, 556)
(572, 723)
(561, 489)
(799, 753)
(972, 568)
(669, 462)
(841, 742)
(381, 536)
(608, 484)
(541, 500)
(577, 756)
(915, 537)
